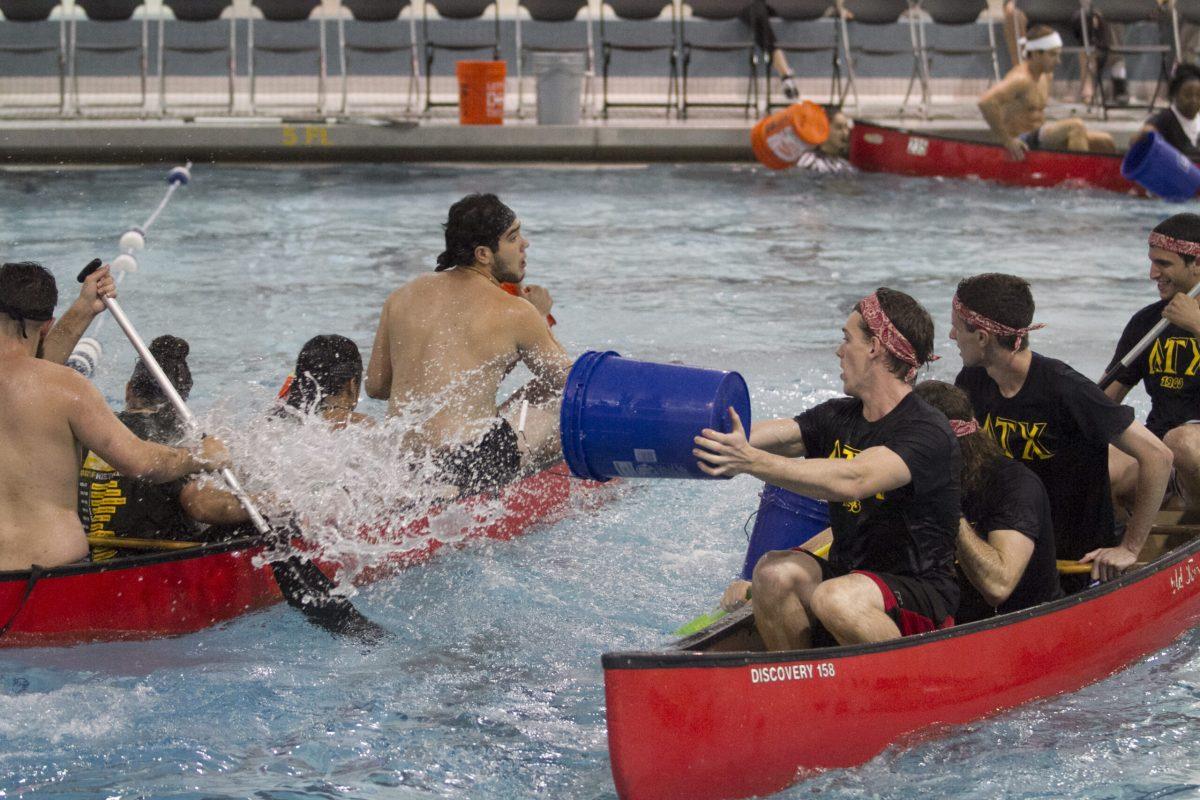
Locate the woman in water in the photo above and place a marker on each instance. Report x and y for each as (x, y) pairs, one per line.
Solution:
(1179, 124)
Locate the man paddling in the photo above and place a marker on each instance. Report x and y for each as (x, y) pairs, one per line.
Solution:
(1015, 108)
(888, 463)
(446, 341)
(1169, 368)
(74, 323)
(48, 413)
(1057, 422)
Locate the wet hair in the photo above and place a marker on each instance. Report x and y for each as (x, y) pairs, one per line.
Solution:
(478, 220)
(1182, 74)
(1006, 299)
(911, 319)
(27, 292)
(1181, 226)
(980, 453)
(325, 366)
(171, 353)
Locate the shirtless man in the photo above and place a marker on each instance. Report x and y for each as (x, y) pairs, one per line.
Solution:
(446, 341)
(48, 413)
(1015, 108)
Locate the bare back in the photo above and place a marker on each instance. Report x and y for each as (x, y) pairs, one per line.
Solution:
(444, 344)
(1019, 101)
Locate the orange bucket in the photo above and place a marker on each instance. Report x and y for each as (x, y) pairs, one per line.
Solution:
(780, 139)
(481, 92)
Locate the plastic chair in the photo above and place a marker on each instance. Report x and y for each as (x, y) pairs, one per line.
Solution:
(626, 40)
(953, 13)
(459, 10)
(113, 18)
(370, 15)
(205, 37)
(800, 19)
(553, 20)
(285, 37)
(878, 13)
(1131, 12)
(720, 16)
(28, 32)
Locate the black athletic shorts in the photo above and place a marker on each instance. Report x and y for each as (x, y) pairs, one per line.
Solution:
(490, 461)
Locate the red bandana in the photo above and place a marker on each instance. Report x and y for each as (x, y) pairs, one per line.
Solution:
(893, 340)
(991, 326)
(1181, 246)
(964, 427)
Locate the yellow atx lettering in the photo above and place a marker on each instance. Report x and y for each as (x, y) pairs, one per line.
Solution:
(1165, 355)
(1028, 437)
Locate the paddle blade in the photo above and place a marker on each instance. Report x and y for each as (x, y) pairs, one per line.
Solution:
(701, 622)
(309, 590)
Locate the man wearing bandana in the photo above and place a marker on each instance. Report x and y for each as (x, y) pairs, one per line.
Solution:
(888, 463)
(1169, 367)
(1056, 421)
(48, 413)
(1015, 108)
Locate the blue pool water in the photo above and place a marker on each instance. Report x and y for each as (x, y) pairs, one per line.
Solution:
(492, 687)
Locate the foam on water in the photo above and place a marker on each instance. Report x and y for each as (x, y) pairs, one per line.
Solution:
(492, 686)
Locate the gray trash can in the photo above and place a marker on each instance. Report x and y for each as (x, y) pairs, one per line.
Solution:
(559, 86)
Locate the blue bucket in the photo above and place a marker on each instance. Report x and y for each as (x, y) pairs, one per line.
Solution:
(785, 520)
(1161, 169)
(635, 419)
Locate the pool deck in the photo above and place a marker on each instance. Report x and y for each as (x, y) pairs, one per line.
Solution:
(628, 139)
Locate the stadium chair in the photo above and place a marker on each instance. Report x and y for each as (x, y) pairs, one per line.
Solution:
(1131, 12)
(111, 32)
(800, 24)
(456, 10)
(287, 34)
(207, 35)
(860, 14)
(721, 31)
(960, 14)
(551, 29)
(28, 32)
(376, 30)
(646, 38)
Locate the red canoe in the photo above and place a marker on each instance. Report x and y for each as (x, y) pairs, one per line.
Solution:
(877, 148)
(183, 591)
(712, 718)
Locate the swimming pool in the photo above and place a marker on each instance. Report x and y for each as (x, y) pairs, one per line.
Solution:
(492, 686)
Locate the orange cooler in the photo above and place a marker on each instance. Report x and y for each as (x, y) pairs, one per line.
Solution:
(780, 139)
(481, 92)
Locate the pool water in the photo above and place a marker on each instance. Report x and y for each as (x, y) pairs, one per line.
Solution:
(492, 686)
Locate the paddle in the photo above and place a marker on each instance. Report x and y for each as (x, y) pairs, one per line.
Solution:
(302, 583)
(1137, 349)
(131, 543)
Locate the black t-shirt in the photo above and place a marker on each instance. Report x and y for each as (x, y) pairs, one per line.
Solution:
(112, 504)
(910, 530)
(1169, 369)
(1060, 425)
(1167, 125)
(1012, 499)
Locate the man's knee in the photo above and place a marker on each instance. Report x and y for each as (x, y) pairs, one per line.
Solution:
(776, 575)
(1184, 443)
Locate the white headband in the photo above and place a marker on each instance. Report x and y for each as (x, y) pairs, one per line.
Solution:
(1048, 42)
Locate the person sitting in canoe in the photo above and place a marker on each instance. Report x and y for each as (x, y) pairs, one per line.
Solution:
(114, 505)
(446, 341)
(888, 463)
(1006, 535)
(326, 382)
(1169, 368)
(1015, 108)
(47, 413)
(1179, 123)
(1044, 413)
(831, 156)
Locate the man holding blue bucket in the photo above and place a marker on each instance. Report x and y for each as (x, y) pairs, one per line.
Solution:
(888, 462)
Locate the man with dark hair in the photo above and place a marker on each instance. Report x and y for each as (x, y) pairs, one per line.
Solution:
(1057, 422)
(64, 335)
(1169, 368)
(48, 413)
(889, 465)
(446, 341)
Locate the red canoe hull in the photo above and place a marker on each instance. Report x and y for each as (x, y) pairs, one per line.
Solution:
(712, 726)
(185, 591)
(876, 148)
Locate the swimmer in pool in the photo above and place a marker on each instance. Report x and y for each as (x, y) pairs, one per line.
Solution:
(830, 157)
(447, 340)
